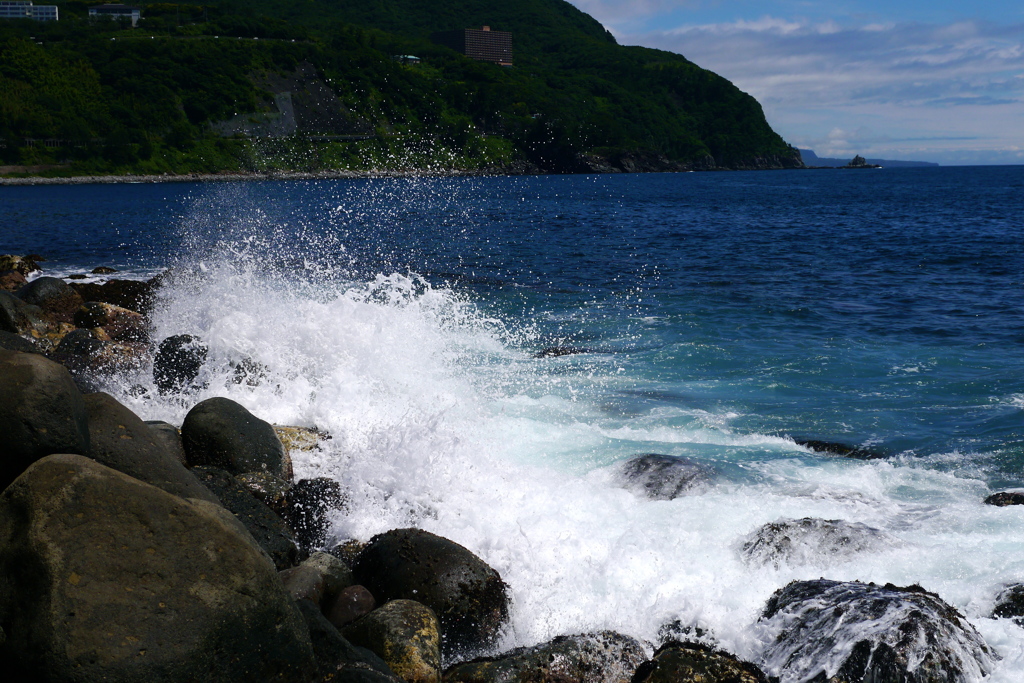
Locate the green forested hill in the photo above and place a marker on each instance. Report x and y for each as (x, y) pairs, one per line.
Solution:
(313, 84)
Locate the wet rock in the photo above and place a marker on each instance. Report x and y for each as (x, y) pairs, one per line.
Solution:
(269, 530)
(664, 477)
(135, 295)
(674, 662)
(1004, 498)
(350, 604)
(406, 635)
(840, 449)
(811, 541)
(11, 280)
(14, 342)
(602, 657)
(557, 351)
(307, 510)
(303, 583)
(169, 437)
(41, 412)
(336, 576)
(120, 324)
(863, 632)
(56, 297)
(270, 490)
(118, 438)
(103, 270)
(1010, 603)
(338, 659)
(347, 551)
(109, 578)
(19, 317)
(20, 264)
(220, 433)
(177, 363)
(248, 372)
(468, 597)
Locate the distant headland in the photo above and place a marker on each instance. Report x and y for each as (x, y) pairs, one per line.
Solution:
(812, 159)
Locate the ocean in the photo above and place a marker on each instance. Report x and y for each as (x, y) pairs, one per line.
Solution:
(719, 316)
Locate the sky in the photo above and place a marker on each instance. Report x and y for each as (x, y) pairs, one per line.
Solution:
(933, 80)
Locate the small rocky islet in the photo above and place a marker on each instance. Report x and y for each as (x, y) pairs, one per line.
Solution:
(134, 550)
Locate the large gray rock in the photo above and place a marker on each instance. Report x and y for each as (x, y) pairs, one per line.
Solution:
(54, 296)
(10, 341)
(266, 527)
(41, 412)
(169, 437)
(664, 477)
(675, 662)
(468, 597)
(119, 438)
(406, 635)
(602, 657)
(106, 578)
(221, 433)
(862, 632)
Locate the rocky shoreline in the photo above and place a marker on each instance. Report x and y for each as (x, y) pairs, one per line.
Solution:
(134, 550)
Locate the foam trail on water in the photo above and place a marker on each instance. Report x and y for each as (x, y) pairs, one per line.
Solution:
(441, 419)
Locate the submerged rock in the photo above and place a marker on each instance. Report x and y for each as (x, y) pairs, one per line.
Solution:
(109, 578)
(220, 433)
(676, 662)
(41, 412)
(1010, 603)
(406, 635)
(811, 541)
(557, 351)
(849, 632)
(841, 449)
(602, 657)
(177, 363)
(1004, 498)
(468, 597)
(664, 477)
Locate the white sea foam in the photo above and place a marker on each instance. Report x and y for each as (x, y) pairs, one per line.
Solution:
(442, 420)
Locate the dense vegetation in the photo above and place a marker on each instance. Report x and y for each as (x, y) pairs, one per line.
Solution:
(105, 97)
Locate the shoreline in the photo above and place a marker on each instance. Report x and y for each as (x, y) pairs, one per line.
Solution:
(234, 177)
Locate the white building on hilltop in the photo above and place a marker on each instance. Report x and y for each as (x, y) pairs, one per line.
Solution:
(24, 9)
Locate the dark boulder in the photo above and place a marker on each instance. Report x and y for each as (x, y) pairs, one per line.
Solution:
(56, 297)
(840, 449)
(135, 295)
(220, 433)
(269, 530)
(674, 662)
(337, 658)
(272, 491)
(103, 270)
(169, 436)
(349, 605)
(41, 412)
(337, 576)
(303, 583)
(19, 317)
(811, 541)
(602, 657)
(664, 477)
(120, 324)
(307, 509)
(864, 632)
(1004, 498)
(10, 341)
(468, 597)
(1010, 603)
(106, 578)
(558, 351)
(118, 438)
(177, 363)
(405, 634)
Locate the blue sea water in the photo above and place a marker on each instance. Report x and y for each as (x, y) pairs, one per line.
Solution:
(719, 316)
